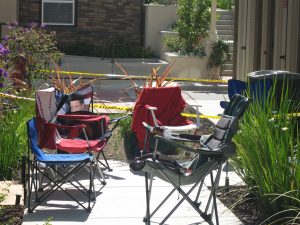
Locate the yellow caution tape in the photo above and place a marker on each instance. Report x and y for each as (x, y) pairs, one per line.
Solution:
(189, 115)
(128, 108)
(103, 106)
(135, 76)
(15, 97)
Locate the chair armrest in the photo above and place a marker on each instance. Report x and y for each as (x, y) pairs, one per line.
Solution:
(202, 151)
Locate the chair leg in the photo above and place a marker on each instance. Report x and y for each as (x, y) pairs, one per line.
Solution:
(147, 218)
(101, 173)
(29, 186)
(227, 178)
(107, 165)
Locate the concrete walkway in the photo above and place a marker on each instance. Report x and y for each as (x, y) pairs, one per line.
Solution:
(122, 202)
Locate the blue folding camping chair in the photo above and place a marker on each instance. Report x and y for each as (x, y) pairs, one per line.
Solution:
(60, 171)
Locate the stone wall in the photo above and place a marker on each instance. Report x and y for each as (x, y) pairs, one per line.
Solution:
(98, 22)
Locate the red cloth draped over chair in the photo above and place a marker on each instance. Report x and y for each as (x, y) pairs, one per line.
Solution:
(169, 103)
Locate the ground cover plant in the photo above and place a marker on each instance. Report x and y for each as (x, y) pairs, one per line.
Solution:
(268, 156)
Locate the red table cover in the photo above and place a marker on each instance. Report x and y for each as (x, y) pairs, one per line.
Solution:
(169, 103)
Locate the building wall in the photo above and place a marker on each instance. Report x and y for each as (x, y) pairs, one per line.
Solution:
(98, 22)
(8, 13)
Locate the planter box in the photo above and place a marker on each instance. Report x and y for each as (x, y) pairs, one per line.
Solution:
(133, 66)
(190, 67)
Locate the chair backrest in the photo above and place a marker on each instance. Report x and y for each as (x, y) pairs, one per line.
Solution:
(32, 135)
(51, 102)
(224, 131)
(236, 87)
(236, 106)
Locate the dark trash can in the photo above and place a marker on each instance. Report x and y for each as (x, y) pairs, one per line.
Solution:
(283, 79)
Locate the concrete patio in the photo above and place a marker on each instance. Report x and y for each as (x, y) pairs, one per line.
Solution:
(122, 202)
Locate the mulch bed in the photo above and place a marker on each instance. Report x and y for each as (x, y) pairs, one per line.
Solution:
(244, 206)
(11, 214)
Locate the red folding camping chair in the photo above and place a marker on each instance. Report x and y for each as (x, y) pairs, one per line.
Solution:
(65, 123)
(159, 107)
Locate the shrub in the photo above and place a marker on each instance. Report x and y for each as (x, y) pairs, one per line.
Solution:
(219, 54)
(192, 26)
(30, 50)
(121, 50)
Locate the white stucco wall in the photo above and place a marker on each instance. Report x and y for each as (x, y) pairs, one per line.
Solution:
(158, 18)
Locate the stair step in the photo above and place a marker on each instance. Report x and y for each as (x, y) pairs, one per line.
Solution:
(225, 22)
(223, 11)
(227, 73)
(226, 17)
(228, 66)
(226, 37)
(225, 32)
(225, 27)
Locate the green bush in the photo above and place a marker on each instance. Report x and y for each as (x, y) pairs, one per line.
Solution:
(192, 26)
(225, 4)
(122, 50)
(219, 54)
(268, 154)
(13, 137)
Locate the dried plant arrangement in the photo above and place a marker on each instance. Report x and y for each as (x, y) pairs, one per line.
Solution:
(70, 86)
(153, 80)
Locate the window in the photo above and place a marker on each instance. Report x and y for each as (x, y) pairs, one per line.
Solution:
(58, 12)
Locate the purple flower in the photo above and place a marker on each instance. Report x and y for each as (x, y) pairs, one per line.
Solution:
(43, 25)
(1, 85)
(3, 50)
(5, 38)
(32, 25)
(3, 73)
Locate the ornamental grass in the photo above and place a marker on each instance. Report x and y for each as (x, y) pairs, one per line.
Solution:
(268, 155)
(13, 136)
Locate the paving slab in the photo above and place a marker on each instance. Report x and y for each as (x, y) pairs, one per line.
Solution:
(122, 202)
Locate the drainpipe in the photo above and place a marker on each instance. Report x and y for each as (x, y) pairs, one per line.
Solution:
(213, 20)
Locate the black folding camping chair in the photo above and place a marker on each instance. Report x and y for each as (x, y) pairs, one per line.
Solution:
(212, 152)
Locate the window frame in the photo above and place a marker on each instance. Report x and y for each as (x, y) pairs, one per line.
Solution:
(73, 2)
